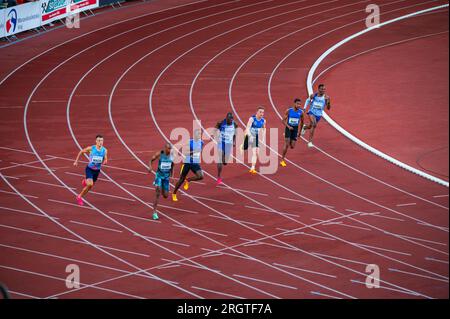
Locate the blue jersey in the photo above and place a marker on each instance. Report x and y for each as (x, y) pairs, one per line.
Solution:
(318, 104)
(227, 132)
(195, 148)
(294, 117)
(165, 165)
(96, 157)
(256, 125)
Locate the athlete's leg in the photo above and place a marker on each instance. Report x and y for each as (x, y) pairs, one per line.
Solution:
(157, 194)
(285, 149)
(255, 151)
(184, 172)
(313, 127)
(197, 177)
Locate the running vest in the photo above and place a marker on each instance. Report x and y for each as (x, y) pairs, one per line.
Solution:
(96, 158)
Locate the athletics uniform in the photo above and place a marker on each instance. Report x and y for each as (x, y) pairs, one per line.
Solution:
(162, 179)
(96, 158)
(254, 131)
(226, 139)
(293, 120)
(192, 163)
(318, 104)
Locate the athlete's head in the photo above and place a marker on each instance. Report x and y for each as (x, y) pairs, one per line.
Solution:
(197, 134)
(260, 112)
(99, 140)
(229, 118)
(322, 89)
(298, 103)
(167, 148)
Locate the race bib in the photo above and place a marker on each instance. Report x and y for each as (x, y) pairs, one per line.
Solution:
(165, 166)
(293, 121)
(196, 155)
(97, 159)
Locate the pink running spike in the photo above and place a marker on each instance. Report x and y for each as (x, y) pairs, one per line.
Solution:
(80, 201)
(219, 181)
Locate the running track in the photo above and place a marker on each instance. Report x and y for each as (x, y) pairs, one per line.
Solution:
(308, 231)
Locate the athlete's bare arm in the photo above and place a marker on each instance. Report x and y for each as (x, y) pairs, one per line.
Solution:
(105, 159)
(83, 151)
(154, 158)
(284, 120)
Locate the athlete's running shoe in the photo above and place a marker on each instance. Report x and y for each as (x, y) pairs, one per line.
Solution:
(219, 181)
(155, 216)
(174, 198)
(80, 201)
(310, 144)
(83, 183)
(186, 186)
(253, 171)
(303, 131)
(283, 164)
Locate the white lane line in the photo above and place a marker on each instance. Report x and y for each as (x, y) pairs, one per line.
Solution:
(292, 232)
(188, 265)
(270, 211)
(26, 165)
(245, 191)
(324, 295)
(166, 241)
(15, 150)
(384, 249)
(64, 279)
(11, 177)
(70, 204)
(168, 266)
(257, 243)
(12, 193)
(49, 101)
(439, 196)
(214, 253)
(234, 220)
(48, 184)
(95, 226)
(433, 226)
(113, 196)
(305, 202)
(213, 200)
(25, 212)
(177, 209)
(374, 214)
(266, 282)
(135, 217)
(406, 204)
(201, 230)
(71, 240)
(217, 292)
(305, 270)
(424, 240)
(418, 275)
(341, 224)
(339, 258)
(23, 294)
(383, 287)
(139, 186)
(436, 260)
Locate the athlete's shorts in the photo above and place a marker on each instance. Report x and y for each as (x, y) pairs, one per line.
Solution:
(292, 135)
(190, 167)
(161, 182)
(316, 116)
(92, 173)
(225, 150)
(253, 141)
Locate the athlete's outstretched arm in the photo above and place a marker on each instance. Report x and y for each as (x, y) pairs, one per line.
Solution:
(328, 103)
(83, 151)
(105, 159)
(263, 132)
(154, 158)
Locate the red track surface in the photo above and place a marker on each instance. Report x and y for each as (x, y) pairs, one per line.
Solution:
(133, 82)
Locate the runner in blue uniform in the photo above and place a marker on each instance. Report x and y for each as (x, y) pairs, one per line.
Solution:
(226, 141)
(162, 175)
(316, 103)
(255, 130)
(293, 119)
(191, 163)
(98, 156)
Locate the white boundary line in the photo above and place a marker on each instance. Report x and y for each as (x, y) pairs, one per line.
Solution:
(348, 134)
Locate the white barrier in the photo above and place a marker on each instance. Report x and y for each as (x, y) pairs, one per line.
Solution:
(2, 23)
(309, 83)
(31, 15)
(21, 18)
